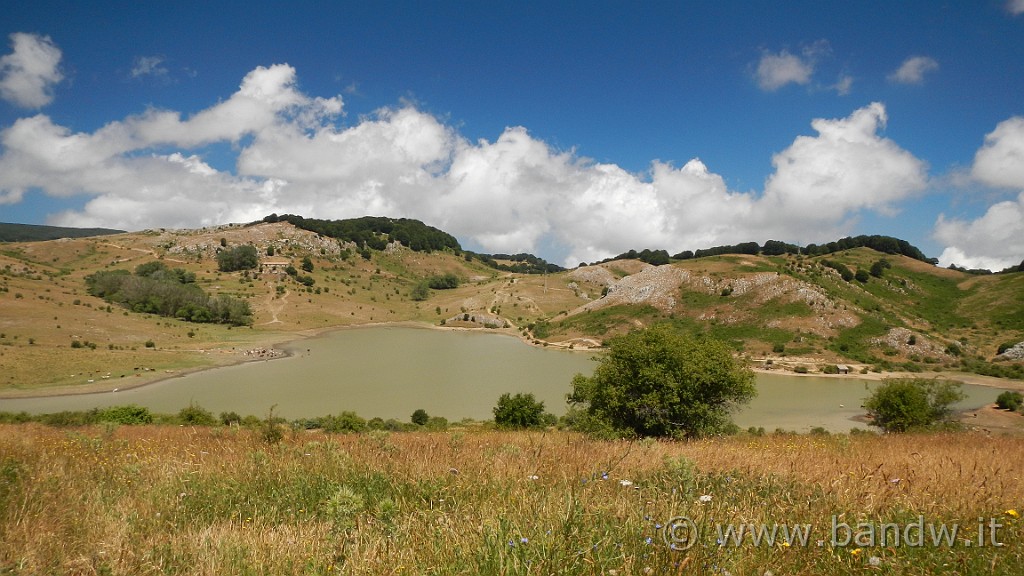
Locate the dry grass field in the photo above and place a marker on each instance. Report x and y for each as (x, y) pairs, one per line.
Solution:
(179, 500)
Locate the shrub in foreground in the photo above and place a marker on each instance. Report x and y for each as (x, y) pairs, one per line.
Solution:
(1010, 401)
(905, 404)
(656, 382)
(519, 411)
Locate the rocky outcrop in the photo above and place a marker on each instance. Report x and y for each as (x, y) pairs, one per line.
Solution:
(907, 342)
(1016, 352)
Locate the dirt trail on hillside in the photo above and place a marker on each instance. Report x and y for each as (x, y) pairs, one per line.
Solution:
(144, 251)
(275, 306)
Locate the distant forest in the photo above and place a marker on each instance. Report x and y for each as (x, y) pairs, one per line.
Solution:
(38, 233)
(884, 244)
(372, 232)
(521, 263)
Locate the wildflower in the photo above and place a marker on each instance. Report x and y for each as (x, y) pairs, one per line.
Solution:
(626, 483)
(533, 477)
(1012, 513)
(875, 561)
(524, 540)
(705, 499)
(648, 540)
(604, 476)
(855, 551)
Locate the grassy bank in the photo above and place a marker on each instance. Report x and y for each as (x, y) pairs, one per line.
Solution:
(182, 500)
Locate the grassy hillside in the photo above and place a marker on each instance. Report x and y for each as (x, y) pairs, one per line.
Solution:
(195, 500)
(913, 316)
(793, 310)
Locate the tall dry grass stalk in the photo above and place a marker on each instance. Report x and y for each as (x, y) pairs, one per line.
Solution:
(156, 500)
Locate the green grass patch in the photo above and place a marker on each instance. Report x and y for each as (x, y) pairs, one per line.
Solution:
(854, 342)
(605, 320)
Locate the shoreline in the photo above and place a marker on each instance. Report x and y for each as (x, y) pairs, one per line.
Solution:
(280, 342)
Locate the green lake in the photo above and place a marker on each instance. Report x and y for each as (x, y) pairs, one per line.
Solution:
(389, 372)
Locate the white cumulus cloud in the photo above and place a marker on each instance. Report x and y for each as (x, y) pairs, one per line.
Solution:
(994, 241)
(513, 194)
(29, 73)
(1000, 162)
(775, 70)
(847, 167)
(1015, 6)
(913, 69)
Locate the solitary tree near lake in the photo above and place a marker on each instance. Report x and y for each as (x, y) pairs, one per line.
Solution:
(655, 382)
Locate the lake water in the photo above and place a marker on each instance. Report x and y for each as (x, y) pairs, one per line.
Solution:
(389, 372)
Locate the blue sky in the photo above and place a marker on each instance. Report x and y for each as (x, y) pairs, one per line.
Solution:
(574, 132)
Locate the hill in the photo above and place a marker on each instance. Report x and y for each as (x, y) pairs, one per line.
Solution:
(781, 311)
(38, 233)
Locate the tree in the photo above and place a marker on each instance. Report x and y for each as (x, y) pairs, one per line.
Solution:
(420, 292)
(307, 264)
(904, 404)
(1011, 401)
(238, 258)
(420, 417)
(443, 281)
(656, 382)
(196, 415)
(879, 267)
(519, 411)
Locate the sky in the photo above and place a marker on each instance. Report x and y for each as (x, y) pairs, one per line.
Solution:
(574, 131)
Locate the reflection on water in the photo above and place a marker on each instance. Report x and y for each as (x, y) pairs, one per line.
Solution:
(389, 372)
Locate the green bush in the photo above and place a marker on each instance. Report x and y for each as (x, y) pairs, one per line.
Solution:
(421, 292)
(420, 417)
(195, 415)
(443, 282)
(229, 418)
(269, 428)
(69, 418)
(905, 404)
(343, 422)
(1010, 401)
(238, 258)
(130, 414)
(656, 382)
(519, 411)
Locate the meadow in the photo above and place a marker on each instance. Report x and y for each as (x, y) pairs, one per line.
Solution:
(165, 499)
